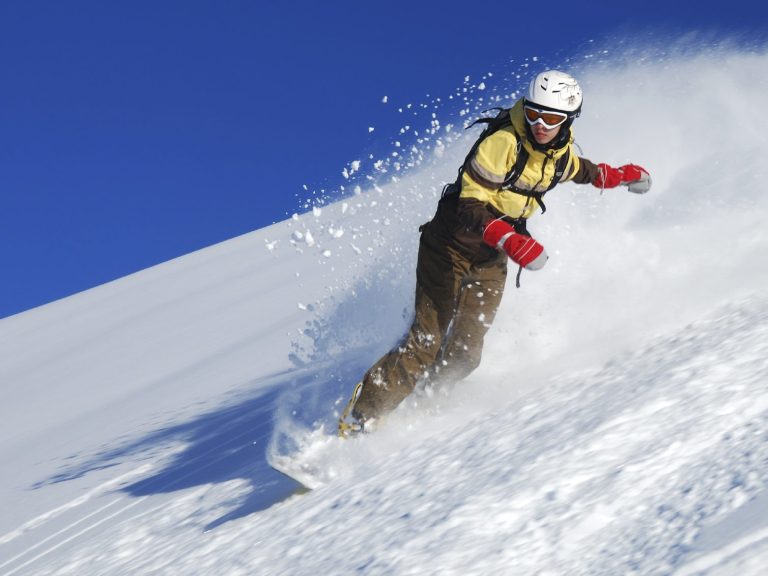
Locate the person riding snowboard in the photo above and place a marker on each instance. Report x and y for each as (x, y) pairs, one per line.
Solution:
(479, 224)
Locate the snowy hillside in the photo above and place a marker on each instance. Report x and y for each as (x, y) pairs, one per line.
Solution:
(617, 425)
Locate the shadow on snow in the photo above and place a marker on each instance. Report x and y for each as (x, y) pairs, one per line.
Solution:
(232, 442)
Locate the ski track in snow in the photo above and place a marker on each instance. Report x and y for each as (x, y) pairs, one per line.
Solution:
(633, 439)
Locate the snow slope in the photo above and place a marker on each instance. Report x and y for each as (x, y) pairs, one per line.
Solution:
(618, 423)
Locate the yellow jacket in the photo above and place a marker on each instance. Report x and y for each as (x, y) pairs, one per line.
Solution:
(486, 171)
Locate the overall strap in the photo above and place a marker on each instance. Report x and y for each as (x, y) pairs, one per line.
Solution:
(517, 170)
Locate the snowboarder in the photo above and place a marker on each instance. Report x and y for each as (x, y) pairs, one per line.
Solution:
(480, 222)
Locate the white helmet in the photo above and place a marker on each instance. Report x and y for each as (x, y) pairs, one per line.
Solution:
(556, 90)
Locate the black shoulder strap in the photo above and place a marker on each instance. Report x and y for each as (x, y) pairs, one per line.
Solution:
(517, 169)
(493, 124)
(521, 159)
(560, 166)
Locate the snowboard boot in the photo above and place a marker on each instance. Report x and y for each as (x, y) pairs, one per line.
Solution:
(351, 423)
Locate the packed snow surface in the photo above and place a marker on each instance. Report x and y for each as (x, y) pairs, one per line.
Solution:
(617, 425)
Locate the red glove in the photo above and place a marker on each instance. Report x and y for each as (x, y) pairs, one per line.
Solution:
(610, 177)
(523, 250)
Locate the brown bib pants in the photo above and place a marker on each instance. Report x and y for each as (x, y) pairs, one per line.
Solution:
(456, 302)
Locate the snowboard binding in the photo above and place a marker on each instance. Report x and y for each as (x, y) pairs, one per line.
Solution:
(350, 424)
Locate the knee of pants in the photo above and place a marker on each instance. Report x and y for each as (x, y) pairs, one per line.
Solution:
(462, 357)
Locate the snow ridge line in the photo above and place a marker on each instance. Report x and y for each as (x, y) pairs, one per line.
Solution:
(73, 536)
(713, 559)
(51, 514)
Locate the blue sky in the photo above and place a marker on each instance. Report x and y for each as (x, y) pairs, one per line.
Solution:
(135, 132)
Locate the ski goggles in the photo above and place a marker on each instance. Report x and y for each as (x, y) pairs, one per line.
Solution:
(548, 118)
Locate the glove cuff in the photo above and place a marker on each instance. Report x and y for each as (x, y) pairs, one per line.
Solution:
(607, 176)
(497, 232)
(503, 239)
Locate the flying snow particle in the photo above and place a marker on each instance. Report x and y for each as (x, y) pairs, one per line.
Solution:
(385, 99)
(371, 129)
